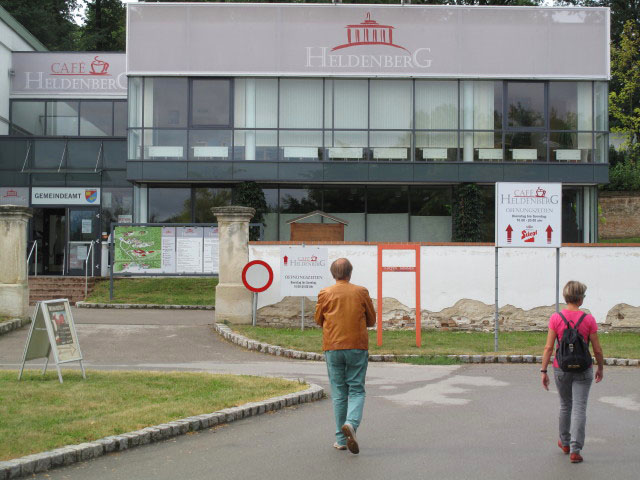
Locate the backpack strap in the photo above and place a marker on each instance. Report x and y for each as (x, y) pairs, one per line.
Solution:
(565, 320)
(580, 321)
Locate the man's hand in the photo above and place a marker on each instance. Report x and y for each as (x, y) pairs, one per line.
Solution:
(545, 381)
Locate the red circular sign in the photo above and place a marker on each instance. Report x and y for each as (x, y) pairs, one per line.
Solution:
(257, 276)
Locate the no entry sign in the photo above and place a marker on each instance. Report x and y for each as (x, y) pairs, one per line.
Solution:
(528, 214)
(257, 276)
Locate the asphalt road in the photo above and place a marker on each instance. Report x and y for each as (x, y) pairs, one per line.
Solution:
(447, 422)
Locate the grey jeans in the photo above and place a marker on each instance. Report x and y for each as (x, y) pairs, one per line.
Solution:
(574, 393)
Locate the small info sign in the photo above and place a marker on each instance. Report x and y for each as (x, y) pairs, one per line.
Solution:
(52, 331)
(528, 214)
(304, 271)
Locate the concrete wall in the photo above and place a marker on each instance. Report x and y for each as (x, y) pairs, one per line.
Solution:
(457, 284)
(619, 214)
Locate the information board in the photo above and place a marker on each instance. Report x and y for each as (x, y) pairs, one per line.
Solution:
(304, 271)
(152, 249)
(528, 214)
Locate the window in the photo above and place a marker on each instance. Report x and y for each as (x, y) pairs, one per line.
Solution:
(256, 103)
(210, 102)
(391, 104)
(208, 198)
(116, 202)
(301, 103)
(347, 104)
(120, 119)
(62, 118)
(570, 106)
(169, 205)
(27, 118)
(165, 102)
(387, 214)
(96, 119)
(525, 104)
(430, 214)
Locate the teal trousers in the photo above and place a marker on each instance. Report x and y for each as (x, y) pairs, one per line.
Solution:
(347, 370)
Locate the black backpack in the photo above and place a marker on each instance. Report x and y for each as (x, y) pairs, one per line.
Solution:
(573, 351)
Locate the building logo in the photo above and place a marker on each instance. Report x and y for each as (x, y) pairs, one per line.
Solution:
(286, 260)
(369, 32)
(10, 193)
(91, 195)
(96, 67)
(366, 34)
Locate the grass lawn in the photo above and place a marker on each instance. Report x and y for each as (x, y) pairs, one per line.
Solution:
(620, 240)
(38, 413)
(402, 342)
(158, 291)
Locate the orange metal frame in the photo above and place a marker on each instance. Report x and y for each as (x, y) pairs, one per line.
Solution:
(381, 269)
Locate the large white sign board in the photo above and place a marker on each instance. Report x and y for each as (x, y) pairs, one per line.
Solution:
(304, 271)
(528, 214)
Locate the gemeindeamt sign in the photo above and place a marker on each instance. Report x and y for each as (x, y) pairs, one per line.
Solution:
(528, 214)
(83, 74)
(65, 196)
(367, 40)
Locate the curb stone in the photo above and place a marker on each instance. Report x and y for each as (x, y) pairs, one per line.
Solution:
(11, 325)
(250, 344)
(40, 462)
(144, 305)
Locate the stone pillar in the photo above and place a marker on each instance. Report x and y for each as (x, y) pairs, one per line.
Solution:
(14, 290)
(233, 300)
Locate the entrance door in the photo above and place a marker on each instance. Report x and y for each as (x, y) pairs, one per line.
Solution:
(84, 226)
(50, 231)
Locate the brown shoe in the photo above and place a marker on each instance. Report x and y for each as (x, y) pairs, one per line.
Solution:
(350, 433)
(564, 448)
(575, 457)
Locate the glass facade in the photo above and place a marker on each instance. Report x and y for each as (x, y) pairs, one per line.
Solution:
(374, 120)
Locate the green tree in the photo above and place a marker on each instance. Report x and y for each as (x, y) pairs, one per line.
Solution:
(104, 28)
(50, 21)
(624, 103)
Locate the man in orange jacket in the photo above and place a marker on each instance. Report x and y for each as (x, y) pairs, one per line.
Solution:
(344, 311)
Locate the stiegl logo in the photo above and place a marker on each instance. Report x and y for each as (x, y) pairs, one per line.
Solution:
(368, 33)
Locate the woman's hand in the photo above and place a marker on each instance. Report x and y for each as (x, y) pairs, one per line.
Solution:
(545, 381)
(599, 374)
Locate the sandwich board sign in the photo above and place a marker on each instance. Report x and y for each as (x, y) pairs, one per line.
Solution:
(52, 331)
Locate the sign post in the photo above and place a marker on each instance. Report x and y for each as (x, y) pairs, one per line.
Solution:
(52, 330)
(304, 271)
(528, 215)
(257, 276)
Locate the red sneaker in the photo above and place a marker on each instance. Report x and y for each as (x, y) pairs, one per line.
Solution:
(575, 458)
(564, 448)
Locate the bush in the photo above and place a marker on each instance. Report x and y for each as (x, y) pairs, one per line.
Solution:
(468, 205)
(624, 176)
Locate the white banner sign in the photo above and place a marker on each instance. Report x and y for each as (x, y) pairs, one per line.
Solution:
(65, 196)
(14, 196)
(528, 214)
(304, 271)
(69, 73)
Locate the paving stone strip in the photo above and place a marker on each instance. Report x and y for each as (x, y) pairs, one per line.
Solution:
(40, 462)
(10, 325)
(262, 347)
(144, 305)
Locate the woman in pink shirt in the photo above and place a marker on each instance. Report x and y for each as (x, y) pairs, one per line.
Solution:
(573, 387)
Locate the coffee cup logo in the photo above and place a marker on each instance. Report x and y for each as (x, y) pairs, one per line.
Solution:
(99, 67)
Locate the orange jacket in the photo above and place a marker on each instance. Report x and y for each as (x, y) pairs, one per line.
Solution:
(344, 311)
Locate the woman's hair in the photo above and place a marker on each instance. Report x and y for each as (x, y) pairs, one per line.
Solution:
(573, 291)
